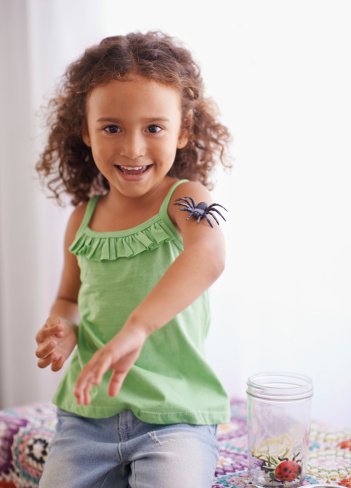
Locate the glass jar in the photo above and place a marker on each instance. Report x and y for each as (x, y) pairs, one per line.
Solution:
(279, 409)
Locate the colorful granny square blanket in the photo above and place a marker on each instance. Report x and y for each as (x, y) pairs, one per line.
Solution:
(26, 433)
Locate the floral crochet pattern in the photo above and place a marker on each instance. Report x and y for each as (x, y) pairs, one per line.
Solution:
(25, 435)
(9, 427)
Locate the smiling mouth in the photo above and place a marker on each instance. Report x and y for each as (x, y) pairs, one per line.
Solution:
(132, 170)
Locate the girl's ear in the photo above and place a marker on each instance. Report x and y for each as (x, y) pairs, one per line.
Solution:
(183, 138)
(85, 133)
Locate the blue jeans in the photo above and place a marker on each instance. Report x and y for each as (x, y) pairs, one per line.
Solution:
(124, 452)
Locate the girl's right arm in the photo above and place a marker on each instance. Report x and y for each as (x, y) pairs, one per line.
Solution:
(58, 337)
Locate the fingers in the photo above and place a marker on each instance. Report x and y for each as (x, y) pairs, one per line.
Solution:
(119, 355)
(48, 331)
(43, 363)
(45, 349)
(53, 359)
(116, 382)
(83, 388)
(57, 365)
(91, 374)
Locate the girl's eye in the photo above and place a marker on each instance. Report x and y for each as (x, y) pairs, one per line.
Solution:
(112, 129)
(153, 129)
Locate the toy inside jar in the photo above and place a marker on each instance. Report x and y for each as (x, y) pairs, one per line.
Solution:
(279, 409)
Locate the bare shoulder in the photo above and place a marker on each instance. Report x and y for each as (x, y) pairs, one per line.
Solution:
(193, 189)
(74, 222)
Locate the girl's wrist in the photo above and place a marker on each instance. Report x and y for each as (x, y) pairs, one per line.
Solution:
(71, 324)
(135, 324)
(75, 329)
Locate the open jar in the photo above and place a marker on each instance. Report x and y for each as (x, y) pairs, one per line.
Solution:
(279, 409)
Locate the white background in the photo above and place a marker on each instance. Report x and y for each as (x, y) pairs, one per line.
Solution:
(280, 72)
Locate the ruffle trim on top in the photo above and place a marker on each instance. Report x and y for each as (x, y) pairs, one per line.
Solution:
(112, 247)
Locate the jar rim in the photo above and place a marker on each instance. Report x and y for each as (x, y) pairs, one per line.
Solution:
(279, 386)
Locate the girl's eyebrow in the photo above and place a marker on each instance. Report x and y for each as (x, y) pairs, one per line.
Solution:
(153, 119)
(146, 120)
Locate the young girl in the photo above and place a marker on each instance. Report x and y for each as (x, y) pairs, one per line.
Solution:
(131, 133)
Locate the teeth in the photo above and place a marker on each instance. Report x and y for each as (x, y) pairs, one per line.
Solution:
(133, 168)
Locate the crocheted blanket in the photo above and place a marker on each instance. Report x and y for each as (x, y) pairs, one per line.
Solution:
(26, 432)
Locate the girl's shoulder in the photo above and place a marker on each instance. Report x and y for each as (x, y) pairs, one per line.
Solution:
(192, 186)
(75, 221)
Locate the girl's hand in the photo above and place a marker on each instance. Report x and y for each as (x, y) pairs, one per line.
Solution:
(56, 341)
(119, 354)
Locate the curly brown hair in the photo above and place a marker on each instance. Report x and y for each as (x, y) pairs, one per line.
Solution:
(67, 163)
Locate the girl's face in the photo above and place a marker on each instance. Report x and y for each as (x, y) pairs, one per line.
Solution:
(134, 130)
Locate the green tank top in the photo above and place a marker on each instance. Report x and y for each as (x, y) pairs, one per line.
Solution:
(171, 382)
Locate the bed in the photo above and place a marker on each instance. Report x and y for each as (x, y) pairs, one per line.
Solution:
(26, 433)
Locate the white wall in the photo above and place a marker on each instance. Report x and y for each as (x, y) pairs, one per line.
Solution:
(280, 72)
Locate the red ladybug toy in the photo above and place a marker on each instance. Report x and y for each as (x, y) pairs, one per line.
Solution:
(283, 471)
(287, 470)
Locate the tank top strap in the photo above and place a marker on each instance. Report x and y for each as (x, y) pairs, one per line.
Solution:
(164, 207)
(89, 212)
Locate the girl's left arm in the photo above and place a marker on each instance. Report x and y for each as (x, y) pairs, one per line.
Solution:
(190, 275)
(193, 272)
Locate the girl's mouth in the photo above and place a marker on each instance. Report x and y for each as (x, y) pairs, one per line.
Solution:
(132, 170)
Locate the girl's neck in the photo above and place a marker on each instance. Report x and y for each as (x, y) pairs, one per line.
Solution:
(116, 212)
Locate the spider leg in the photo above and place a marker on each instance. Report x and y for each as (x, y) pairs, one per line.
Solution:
(192, 201)
(188, 209)
(216, 205)
(213, 216)
(190, 214)
(209, 210)
(208, 220)
(189, 201)
(184, 204)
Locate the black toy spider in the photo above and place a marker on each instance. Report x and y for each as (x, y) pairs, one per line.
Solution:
(199, 211)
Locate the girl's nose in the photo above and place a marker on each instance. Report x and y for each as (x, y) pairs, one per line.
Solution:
(132, 146)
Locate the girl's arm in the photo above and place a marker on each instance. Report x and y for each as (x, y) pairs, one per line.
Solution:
(58, 337)
(192, 273)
